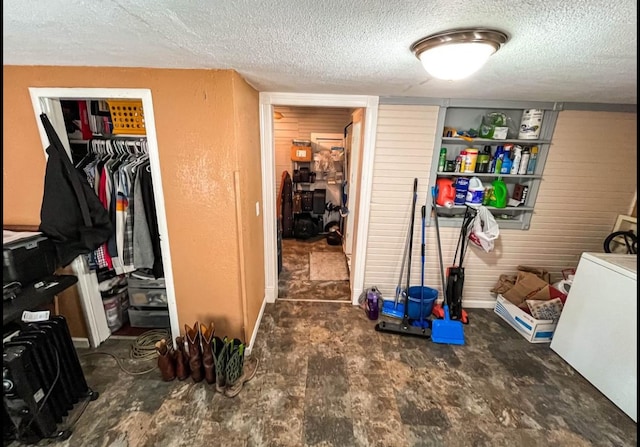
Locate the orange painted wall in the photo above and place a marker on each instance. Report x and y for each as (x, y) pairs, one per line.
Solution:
(251, 230)
(196, 129)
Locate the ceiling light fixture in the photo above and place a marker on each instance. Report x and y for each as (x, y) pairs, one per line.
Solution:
(456, 54)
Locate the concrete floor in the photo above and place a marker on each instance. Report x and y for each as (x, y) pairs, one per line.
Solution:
(327, 378)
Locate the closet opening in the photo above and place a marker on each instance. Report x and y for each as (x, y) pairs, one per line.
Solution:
(126, 285)
(317, 176)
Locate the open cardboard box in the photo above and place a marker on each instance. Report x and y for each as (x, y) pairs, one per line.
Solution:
(533, 330)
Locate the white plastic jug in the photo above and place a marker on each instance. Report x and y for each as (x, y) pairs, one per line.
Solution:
(475, 192)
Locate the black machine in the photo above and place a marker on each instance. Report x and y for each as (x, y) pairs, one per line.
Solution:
(42, 380)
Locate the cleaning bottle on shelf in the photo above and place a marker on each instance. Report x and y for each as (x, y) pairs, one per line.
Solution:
(524, 163)
(442, 161)
(496, 161)
(483, 160)
(517, 156)
(475, 192)
(506, 164)
(531, 167)
(498, 196)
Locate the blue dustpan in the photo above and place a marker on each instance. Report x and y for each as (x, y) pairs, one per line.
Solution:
(393, 309)
(447, 331)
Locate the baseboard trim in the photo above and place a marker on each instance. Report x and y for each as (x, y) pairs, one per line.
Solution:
(256, 327)
(80, 342)
(479, 304)
(475, 304)
(314, 301)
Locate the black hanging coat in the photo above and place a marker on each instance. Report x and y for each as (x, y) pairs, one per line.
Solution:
(71, 214)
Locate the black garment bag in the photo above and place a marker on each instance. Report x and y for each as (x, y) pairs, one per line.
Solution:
(71, 214)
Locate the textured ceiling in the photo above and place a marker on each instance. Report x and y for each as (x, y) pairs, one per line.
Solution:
(559, 50)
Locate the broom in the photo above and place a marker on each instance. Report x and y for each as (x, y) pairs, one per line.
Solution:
(444, 331)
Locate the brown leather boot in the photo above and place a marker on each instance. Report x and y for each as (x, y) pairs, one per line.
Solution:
(182, 360)
(195, 353)
(165, 361)
(207, 355)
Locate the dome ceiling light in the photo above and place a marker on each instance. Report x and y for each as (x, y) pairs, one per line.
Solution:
(457, 54)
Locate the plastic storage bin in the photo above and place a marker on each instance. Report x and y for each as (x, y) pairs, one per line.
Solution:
(127, 117)
(149, 318)
(147, 292)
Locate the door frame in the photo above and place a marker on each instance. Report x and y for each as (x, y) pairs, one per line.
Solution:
(92, 302)
(267, 149)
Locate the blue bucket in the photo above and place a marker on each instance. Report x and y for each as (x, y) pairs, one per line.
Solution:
(429, 295)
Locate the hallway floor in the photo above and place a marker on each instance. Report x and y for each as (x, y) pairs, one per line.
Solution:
(295, 280)
(326, 378)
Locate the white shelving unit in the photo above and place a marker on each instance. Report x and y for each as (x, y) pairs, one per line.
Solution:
(466, 115)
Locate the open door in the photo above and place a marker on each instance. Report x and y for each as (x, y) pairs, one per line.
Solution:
(354, 167)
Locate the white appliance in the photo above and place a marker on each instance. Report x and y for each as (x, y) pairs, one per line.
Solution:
(597, 333)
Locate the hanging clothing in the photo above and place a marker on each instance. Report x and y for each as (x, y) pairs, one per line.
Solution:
(71, 214)
(152, 219)
(142, 247)
(120, 172)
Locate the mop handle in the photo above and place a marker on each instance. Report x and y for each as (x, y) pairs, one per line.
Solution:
(413, 214)
(404, 259)
(435, 212)
(422, 269)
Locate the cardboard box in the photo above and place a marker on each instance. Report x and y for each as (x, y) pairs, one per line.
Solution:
(528, 286)
(301, 153)
(534, 331)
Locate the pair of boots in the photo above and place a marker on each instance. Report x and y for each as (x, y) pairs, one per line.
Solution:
(172, 363)
(219, 361)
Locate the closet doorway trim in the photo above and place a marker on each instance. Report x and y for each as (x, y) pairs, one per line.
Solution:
(267, 147)
(46, 98)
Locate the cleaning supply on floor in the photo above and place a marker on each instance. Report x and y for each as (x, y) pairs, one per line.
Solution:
(475, 192)
(373, 303)
(395, 308)
(499, 194)
(428, 297)
(405, 327)
(444, 331)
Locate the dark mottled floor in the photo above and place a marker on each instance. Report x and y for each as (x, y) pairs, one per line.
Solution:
(326, 378)
(294, 280)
